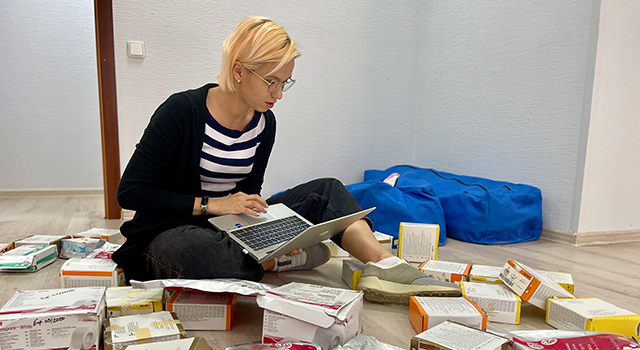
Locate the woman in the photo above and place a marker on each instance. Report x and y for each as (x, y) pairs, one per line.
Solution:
(205, 152)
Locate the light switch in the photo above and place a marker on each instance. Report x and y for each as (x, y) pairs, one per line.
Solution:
(135, 49)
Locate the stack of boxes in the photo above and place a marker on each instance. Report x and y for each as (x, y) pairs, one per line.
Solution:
(496, 294)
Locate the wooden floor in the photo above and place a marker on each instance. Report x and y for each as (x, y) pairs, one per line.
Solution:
(610, 272)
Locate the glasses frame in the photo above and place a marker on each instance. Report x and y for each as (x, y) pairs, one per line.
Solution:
(273, 86)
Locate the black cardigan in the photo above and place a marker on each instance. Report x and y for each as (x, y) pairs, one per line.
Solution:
(162, 178)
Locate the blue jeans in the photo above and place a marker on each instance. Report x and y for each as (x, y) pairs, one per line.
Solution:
(196, 252)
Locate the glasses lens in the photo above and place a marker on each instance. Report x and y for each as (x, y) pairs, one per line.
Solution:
(288, 85)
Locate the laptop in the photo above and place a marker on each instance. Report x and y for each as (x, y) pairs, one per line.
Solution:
(279, 231)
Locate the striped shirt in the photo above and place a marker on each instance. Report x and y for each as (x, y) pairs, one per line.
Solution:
(227, 155)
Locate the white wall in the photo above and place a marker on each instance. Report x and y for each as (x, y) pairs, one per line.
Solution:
(491, 89)
(49, 111)
(611, 196)
(354, 99)
(501, 95)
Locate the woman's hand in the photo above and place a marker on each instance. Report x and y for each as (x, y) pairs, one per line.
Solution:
(237, 203)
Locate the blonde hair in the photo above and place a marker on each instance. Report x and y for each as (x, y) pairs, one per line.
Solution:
(255, 42)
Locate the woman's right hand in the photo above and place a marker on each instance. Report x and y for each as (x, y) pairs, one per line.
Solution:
(237, 203)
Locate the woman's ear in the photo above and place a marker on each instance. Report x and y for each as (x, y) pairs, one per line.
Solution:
(238, 71)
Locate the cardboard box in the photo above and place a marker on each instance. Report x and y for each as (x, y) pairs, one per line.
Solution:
(591, 314)
(56, 319)
(418, 242)
(336, 251)
(427, 312)
(41, 240)
(141, 329)
(351, 272)
(196, 343)
(485, 273)
(91, 272)
(565, 280)
(531, 285)
(499, 302)
(79, 247)
(310, 313)
(5, 247)
(454, 336)
(124, 301)
(202, 311)
(491, 274)
(385, 240)
(109, 235)
(28, 258)
(446, 271)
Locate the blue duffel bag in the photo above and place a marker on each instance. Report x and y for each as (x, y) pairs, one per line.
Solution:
(411, 200)
(479, 210)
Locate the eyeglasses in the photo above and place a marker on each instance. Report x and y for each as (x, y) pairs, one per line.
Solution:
(274, 85)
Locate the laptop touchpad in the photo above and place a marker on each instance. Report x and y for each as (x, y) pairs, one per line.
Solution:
(246, 219)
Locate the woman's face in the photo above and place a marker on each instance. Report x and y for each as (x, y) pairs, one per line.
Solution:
(255, 91)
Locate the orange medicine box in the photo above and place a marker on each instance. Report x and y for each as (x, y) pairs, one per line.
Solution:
(5, 247)
(79, 272)
(109, 235)
(446, 271)
(491, 274)
(201, 311)
(499, 302)
(427, 312)
(531, 285)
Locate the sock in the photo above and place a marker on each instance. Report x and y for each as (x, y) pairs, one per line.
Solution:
(288, 262)
(275, 267)
(388, 261)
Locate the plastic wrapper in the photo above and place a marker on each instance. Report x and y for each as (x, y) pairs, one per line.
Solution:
(570, 340)
(360, 342)
(366, 342)
(104, 252)
(280, 345)
(220, 285)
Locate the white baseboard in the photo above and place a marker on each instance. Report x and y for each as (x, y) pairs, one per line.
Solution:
(591, 238)
(53, 192)
(559, 236)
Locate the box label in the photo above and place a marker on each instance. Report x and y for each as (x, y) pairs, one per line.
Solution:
(418, 242)
(128, 330)
(512, 277)
(458, 337)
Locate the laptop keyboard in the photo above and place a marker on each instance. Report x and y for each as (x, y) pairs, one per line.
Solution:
(272, 232)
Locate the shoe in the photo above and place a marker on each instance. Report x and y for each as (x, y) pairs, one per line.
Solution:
(310, 258)
(395, 284)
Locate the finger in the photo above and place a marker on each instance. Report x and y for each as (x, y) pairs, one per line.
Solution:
(259, 203)
(251, 212)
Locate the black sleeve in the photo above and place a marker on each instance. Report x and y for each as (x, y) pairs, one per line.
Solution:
(253, 183)
(147, 181)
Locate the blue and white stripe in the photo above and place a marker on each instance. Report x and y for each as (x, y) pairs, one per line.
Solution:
(227, 155)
